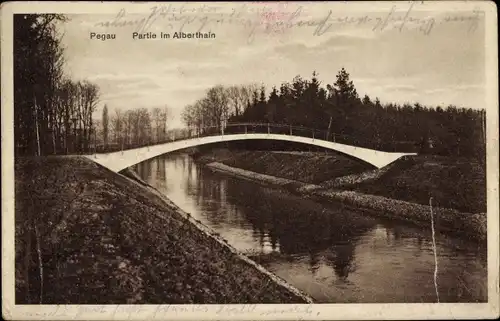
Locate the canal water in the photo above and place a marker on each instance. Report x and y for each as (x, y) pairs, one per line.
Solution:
(334, 254)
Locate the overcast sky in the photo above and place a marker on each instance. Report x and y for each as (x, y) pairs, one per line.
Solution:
(430, 59)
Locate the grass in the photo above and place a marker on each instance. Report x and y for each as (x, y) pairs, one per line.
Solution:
(456, 183)
(468, 225)
(105, 239)
(303, 167)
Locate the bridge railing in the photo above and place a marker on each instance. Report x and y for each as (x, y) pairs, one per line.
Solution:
(265, 128)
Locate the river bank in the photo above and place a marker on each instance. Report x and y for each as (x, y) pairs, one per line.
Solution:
(86, 235)
(350, 189)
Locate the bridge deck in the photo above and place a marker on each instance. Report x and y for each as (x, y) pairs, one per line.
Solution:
(117, 161)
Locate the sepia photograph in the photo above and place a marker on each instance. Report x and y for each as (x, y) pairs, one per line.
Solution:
(250, 160)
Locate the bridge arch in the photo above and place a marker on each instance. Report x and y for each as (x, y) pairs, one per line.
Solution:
(120, 160)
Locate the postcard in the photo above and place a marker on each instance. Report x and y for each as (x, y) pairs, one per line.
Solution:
(250, 160)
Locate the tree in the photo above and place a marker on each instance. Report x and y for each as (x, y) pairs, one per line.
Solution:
(105, 125)
(343, 96)
(312, 101)
(216, 105)
(38, 61)
(117, 126)
(88, 97)
(66, 112)
(255, 99)
(272, 105)
(262, 97)
(235, 95)
(164, 120)
(345, 87)
(52, 113)
(188, 116)
(298, 86)
(390, 126)
(366, 101)
(145, 126)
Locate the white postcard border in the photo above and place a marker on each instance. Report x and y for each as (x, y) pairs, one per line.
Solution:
(240, 312)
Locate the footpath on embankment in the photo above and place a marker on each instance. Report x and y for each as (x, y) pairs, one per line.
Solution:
(92, 236)
(401, 190)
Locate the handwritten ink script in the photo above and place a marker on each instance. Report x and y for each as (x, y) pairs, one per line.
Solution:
(160, 312)
(244, 309)
(281, 18)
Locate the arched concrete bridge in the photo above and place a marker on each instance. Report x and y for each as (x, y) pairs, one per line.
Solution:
(120, 160)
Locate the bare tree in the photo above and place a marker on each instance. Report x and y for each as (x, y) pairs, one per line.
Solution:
(105, 125)
(164, 118)
(156, 114)
(89, 98)
(38, 62)
(117, 126)
(188, 117)
(234, 94)
(216, 104)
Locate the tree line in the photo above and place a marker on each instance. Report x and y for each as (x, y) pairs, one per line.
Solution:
(52, 113)
(341, 114)
(133, 128)
(219, 104)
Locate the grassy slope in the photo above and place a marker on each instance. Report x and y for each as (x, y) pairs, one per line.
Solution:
(452, 182)
(105, 239)
(456, 183)
(304, 167)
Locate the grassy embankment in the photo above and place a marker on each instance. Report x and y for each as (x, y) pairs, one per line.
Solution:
(401, 190)
(100, 237)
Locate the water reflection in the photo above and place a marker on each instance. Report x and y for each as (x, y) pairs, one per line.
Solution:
(334, 254)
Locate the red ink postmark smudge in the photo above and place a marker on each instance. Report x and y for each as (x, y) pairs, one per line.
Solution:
(272, 13)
